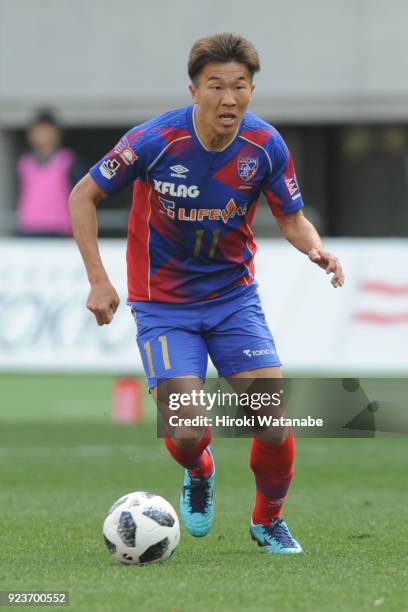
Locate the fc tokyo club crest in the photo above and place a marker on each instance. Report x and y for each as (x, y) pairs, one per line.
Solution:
(247, 168)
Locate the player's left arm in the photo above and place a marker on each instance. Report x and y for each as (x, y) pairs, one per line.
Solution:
(303, 235)
(283, 195)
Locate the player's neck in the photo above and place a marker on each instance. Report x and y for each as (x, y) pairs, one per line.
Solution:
(209, 139)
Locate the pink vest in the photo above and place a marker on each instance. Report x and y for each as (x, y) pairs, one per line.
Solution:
(44, 191)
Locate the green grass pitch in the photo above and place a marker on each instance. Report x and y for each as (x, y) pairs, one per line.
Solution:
(63, 462)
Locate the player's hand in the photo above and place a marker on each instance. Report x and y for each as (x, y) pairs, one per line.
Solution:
(330, 263)
(103, 302)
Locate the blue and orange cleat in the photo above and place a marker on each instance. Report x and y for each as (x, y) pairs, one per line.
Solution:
(275, 538)
(197, 502)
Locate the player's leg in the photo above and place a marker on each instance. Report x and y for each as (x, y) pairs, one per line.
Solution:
(271, 459)
(175, 362)
(189, 446)
(242, 349)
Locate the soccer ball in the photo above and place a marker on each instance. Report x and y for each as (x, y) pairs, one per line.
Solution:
(141, 528)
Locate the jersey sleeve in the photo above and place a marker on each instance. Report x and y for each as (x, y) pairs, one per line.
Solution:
(281, 188)
(122, 165)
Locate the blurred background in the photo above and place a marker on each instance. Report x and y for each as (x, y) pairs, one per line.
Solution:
(75, 75)
(334, 81)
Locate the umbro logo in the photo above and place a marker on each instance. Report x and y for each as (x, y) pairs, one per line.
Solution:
(179, 171)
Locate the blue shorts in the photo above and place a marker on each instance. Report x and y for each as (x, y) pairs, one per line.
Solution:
(176, 339)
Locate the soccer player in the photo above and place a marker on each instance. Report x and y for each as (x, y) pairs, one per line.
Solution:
(198, 172)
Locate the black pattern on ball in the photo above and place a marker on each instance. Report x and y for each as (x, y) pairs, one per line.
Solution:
(154, 552)
(149, 495)
(117, 504)
(159, 516)
(127, 529)
(110, 545)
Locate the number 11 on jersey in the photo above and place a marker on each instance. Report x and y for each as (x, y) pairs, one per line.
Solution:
(199, 241)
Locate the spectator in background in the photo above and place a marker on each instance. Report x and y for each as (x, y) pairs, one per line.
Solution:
(46, 176)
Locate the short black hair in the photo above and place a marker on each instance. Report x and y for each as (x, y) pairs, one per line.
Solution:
(222, 48)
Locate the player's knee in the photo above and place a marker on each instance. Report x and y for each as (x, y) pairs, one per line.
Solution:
(186, 438)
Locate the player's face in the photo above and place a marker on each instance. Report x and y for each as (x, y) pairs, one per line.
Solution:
(222, 94)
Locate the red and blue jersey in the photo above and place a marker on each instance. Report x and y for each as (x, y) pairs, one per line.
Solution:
(189, 234)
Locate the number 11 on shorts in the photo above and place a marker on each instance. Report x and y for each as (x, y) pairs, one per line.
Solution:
(165, 355)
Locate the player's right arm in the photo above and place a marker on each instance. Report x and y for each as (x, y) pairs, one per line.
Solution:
(119, 167)
(102, 299)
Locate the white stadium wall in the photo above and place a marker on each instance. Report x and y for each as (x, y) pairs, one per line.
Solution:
(99, 61)
(360, 329)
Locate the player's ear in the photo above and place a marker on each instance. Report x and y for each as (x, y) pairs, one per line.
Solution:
(252, 91)
(193, 91)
